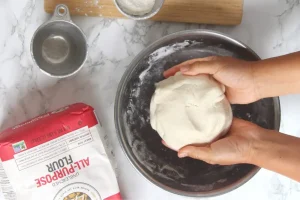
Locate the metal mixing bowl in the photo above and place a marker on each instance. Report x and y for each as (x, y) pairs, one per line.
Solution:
(59, 46)
(142, 144)
(156, 8)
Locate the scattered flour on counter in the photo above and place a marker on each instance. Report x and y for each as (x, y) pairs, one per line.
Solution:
(136, 7)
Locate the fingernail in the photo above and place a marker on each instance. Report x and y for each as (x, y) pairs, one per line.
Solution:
(184, 68)
(182, 154)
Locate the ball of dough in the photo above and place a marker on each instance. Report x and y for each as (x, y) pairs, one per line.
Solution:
(190, 110)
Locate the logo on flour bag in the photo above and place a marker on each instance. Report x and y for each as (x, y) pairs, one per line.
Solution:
(19, 146)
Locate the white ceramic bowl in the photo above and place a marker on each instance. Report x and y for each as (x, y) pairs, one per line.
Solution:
(156, 8)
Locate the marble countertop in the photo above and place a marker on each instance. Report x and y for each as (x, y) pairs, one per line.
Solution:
(269, 27)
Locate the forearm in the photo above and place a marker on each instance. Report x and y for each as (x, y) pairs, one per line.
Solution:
(278, 152)
(277, 76)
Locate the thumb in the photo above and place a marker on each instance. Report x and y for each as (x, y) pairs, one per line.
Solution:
(199, 153)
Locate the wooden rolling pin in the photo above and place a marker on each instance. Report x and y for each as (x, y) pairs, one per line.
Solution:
(223, 12)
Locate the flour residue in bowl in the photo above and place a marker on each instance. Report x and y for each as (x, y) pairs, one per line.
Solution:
(146, 78)
(136, 7)
(164, 52)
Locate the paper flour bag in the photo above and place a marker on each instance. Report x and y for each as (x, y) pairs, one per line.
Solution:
(57, 156)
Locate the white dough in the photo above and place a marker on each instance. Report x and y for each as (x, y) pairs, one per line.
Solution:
(137, 7)
(190, 110)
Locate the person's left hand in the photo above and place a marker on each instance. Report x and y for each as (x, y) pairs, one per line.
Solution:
(237, 147)
(236, 75)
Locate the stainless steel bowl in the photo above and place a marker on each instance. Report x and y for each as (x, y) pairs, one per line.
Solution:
(142, 144)
(156, 8)
(59, 46)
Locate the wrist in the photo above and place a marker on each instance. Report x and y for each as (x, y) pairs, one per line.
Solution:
(257, 149)
(270, 146)
(257, 84)
(264, 147)
(277, 152)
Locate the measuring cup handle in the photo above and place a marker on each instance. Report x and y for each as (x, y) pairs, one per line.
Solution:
(61, 12)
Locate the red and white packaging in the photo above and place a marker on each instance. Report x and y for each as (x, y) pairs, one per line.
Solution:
(57, 156)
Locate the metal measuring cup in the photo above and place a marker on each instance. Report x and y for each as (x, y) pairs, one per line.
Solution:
(59, 46)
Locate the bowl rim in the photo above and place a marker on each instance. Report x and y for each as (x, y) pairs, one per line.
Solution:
(121, 137)
(152, 13)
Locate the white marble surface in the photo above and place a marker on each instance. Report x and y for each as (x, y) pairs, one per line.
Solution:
(270, 27)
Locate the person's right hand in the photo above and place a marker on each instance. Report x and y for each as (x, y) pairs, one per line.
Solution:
(236, 75)
(237, 147)
(250, 144)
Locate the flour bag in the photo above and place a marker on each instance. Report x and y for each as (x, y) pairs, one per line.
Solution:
(57, 156)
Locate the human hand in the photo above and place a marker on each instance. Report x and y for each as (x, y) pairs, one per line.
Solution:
(236, 75)
(237, 147)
